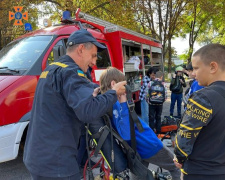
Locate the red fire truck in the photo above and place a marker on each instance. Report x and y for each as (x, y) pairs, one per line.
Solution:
(23, 60)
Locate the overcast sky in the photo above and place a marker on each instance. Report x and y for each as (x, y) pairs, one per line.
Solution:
(181, 45)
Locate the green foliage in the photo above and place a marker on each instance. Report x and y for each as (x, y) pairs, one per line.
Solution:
(199, 20)
(215, 26)
(184, 57)
(118, 12)
(173, 51)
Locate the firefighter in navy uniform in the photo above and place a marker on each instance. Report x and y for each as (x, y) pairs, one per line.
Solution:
(63, 102)
(200, 141)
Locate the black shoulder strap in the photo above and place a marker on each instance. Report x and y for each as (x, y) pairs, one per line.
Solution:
(134, 160)
(131, 106)
(133, 118)
(101, 140)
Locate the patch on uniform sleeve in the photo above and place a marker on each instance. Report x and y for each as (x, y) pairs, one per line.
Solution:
(44, 74)
(81, 73)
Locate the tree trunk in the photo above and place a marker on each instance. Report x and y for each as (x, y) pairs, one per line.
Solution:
(0, 39)
(170, 56)
(160, 20)
(190, 52)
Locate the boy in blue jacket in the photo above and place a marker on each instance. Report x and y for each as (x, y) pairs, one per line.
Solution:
(149, 147)
(194, 86)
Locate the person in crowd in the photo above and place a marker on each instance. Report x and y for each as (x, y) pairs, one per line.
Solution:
(63, 102)
(156, 96)
(193, 84)
(189, 71)
(185, 71)
(149, 146)
(176, 86)
(200, 147)
(150, 75)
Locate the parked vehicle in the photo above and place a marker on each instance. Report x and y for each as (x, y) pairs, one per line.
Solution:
(23, 60)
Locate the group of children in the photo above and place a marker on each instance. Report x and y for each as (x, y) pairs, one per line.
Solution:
(153, 94)
(209, 72)
(149, 147)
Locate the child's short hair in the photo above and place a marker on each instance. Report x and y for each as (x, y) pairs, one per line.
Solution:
(159, 74)
(109, 75)
(212, 52)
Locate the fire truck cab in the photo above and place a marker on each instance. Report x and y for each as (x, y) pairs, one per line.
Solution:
(23, 60)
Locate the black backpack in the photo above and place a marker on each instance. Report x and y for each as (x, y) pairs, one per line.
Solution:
(156, 93)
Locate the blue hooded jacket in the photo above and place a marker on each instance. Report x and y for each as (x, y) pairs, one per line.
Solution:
(195, 87)
(147, 142)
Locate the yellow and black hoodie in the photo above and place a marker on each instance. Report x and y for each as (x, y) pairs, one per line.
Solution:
(200, 140)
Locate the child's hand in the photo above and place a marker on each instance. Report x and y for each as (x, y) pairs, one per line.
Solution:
(96, 91)
(122, 98)
(178, 165)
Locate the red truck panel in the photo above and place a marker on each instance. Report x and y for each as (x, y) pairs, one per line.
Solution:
(17, 99)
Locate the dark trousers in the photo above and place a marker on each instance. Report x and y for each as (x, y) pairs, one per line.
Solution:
(176, 98)
(155, 112)
(73, 177)
(120, 158)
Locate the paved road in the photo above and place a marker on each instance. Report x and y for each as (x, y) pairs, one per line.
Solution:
(15, 169)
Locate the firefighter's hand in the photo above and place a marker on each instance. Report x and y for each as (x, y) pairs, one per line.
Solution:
(96, 91)
(120, 88)
(182, 82)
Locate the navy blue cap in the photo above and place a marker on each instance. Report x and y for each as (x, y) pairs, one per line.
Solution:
(83, 36)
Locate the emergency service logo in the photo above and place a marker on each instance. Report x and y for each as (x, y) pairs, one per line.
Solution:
(18, 15)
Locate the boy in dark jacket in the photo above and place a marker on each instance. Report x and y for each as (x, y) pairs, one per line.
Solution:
(176, 86)
(200, 147)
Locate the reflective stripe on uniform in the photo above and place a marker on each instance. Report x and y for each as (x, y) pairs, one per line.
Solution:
(44, 74)
(59, 64)
(181, 149)
(189, 128)
(182, 170)
(199, 105)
